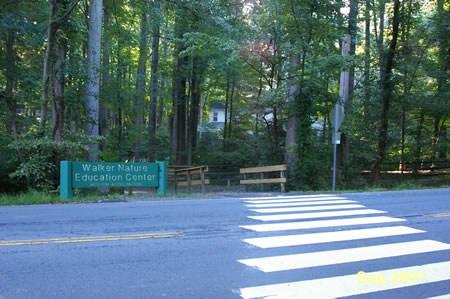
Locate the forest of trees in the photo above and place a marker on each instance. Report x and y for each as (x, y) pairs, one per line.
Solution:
(132, 80)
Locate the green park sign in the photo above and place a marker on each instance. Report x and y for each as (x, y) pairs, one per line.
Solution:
(106, 174)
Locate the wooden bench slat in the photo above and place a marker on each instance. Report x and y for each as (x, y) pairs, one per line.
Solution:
(263, 181)
(263, 169)
(193, 182)
(178, 166)
(192, 170)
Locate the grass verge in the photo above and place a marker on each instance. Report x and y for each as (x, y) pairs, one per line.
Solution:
(35, 198)
(28, 198)
(399, 187)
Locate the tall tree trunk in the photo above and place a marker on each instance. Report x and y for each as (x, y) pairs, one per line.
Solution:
(201, 106)
(93, 74)
(344, 95)
(182, 119)
(348, 106)
(140, 83)
(386, 94)
(275, 127)
(58, 105)
(380, 41)
(119, 79)
(58, 75)
(53, 25)
(227, 100)
(154, 87)
(443, 153)
(258, 98)
(290, 142)
(179, 113)
(178, 137)
(231, 110)
(406, 50)
(164, 74)
(436, 139)
(418, 158)
(51, 31)
(402, 142)
(442, 88)
(367, 40)
(106, 78)
(174, 121)
(120, 133)
(194, 111)
(10, 66)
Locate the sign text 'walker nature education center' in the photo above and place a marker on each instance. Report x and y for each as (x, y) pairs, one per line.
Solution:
(99, 174)
(114, 174)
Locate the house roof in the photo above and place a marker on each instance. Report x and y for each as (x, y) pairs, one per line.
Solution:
(218, 107)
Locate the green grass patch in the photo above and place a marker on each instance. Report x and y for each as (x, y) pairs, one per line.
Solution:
(36, 198)
(380, 188)
(28, 198)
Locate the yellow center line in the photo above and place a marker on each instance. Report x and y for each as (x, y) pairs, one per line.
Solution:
(90, 239)
(438, 215)
(95, 237)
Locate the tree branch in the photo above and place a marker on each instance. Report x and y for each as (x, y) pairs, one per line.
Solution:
(60, 20)
(259, 72)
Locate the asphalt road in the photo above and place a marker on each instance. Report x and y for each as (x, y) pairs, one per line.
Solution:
(225, 247)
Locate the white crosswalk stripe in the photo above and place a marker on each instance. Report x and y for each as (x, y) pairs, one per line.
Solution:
(315, 215)
(306, 203)
(325, 207)
(320, 223)
(295, 199)
(348, 285)
(300, 209)
(288, 196)
(332, 257)
(327, 237)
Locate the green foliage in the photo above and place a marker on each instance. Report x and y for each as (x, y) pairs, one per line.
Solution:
(244, 151)
(9, 164)
(42, 155)
(29, 198)
(109, 156)
(250, 50)
(313, 169)
(162, 148)
(38, 172)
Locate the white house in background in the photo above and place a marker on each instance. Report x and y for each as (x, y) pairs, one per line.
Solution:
(216, 119)
(217, 116)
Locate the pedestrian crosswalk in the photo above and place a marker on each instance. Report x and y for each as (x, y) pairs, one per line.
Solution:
(308, 208)
(315, 215)
(320, 223)
(327, 237)
(342, 286)
(293, 221)
(308, 203)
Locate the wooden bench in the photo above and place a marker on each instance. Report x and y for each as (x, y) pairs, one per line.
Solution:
(282, 179)
(189, 182)
(171, 170)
